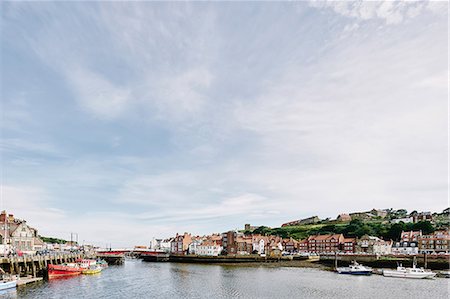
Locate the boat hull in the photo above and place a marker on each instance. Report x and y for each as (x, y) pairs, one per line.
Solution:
(408, 275)
(5, 285)
(56, 271)
(91, 271)
(355, 272)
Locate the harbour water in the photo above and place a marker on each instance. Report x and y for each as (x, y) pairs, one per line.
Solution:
(137, 279)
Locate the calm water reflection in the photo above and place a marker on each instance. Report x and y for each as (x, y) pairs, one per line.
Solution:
(138, 279)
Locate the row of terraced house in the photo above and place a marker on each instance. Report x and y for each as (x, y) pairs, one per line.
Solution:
(236, 243)
(228, 243)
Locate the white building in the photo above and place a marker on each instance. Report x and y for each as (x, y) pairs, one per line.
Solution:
(259, 245)
(166, 244)
(405, 248)
(382, 247)
(209, 248)
(404, 220)
(155, 244)
(194, 244)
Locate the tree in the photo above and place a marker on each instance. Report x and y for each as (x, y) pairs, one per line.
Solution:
(364, 230)
(395, 231)
(425, 226)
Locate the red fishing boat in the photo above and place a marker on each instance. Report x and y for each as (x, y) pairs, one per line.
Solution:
(64, 270)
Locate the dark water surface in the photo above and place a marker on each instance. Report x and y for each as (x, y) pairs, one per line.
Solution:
(138, 279)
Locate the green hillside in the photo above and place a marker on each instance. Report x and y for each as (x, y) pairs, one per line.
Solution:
(355, 228)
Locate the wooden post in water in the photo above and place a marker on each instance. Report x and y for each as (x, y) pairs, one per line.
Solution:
(33, 267)
(335, 260)
(425, 260)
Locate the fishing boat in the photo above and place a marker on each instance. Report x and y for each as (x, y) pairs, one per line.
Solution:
(94, 269)
(67, 269)
(355, 269)
(102, 263)
(86, 263)
(414, 272)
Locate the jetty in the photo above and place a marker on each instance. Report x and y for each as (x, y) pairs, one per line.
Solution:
(35, 265)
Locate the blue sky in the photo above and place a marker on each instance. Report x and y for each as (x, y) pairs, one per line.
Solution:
(123, 121)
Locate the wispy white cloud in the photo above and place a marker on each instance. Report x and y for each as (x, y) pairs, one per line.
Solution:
(391, 12)
(171, 118)
(97, 94)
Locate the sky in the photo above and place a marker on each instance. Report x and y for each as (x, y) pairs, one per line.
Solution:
(123, 121)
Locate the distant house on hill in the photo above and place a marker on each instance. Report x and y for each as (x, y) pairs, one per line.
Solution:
(362, 215)
(404, 220)
(379, 213)
(344, 218)
(309, 220)
(422, 216)
(247, 226)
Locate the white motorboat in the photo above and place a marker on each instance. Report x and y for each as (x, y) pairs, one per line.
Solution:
(7, 284)
(414, 272)
(355, 269)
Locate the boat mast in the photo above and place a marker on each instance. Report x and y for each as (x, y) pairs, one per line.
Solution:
(5, 234)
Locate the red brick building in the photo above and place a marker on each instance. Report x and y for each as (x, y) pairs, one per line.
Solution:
(325, 243)
(435, 243)
(229, 242)
(348, 245)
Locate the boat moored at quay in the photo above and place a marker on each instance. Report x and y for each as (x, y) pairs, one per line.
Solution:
(63, 270)
(355, 269)
(414, 272)
(81, 266)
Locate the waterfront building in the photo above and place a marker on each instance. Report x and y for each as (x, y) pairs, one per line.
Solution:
(325, 243)
(166, 244)
(302, 245)
(373, 245)
(348, 245)
(18, 235)
(244, 245)
(196, 241)
(180, 244)
(405, 248)
(259, 244)
(291, 245)
(437, 242)
(229, 242)
(155, 244)
(209, 248)
(408, 243)
(410, 236)
(382, 247)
